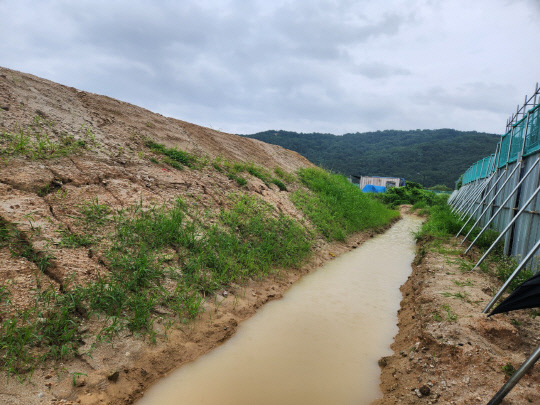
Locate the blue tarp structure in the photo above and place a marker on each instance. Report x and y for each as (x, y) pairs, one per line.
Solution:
(369, 188)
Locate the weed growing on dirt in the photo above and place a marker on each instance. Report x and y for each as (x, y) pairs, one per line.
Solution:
(450, 315)
(503, 266)
(94, 213)
(18, 245)
(336, 207)
(508, 369)
(285, 176)
(47, 331)
(37, 142)
(467, 283)
(75, 240)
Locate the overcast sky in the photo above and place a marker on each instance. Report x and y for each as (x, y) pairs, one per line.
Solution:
(244, 66)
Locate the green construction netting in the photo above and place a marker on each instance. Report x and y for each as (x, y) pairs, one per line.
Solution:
(488, 166)
(532, 141)
(517, 140)
(528, 128)
(505, 142)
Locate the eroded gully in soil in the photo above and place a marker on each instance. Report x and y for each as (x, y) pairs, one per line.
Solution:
(319, 344)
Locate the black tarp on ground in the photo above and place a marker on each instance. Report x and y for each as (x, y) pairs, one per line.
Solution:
(527, 295)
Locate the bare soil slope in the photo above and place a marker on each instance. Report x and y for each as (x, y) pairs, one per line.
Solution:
(104, 157)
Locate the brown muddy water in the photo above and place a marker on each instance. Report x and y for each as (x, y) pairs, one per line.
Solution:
(319, 344)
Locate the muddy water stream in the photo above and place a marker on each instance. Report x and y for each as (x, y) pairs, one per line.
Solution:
(319, 344)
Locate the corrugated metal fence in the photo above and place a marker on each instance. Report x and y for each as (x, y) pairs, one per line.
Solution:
(500, 192)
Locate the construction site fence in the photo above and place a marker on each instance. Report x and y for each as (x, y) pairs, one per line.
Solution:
(488, 194)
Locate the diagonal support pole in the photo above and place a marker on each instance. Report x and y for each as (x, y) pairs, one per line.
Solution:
(512, 277)
(493, 199)
(508, 227)
(482, 202)
(506, 388)
(503, 204)
(478, 195)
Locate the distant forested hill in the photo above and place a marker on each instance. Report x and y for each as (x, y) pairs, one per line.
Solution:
(427, 156)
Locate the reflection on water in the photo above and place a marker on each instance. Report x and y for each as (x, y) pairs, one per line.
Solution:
(319, 344)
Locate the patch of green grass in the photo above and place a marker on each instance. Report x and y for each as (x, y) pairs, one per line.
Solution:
(280, 184)
(463, 296)
(234, 169)
(75, 240)
(252, 240)
(95, 213)
(442, 223)
(47, 331)
(285, 176)
(18, 245)
(36, 141)
(175, 157)
(239, 180)
(336, 207)
(504, 266)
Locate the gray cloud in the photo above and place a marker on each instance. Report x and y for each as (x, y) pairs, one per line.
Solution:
(377, 70)
(333, 66)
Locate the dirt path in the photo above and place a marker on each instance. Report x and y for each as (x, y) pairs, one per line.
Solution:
(446, 350)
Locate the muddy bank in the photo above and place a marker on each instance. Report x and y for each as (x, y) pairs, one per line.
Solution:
(446, 350)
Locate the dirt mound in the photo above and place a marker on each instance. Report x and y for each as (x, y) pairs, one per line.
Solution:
(99, 149)
(63, 150)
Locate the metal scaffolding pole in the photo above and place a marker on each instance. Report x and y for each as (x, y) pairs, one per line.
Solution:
(493, 199)
(478, 195)
(506, 388)
(508, 227)
(466, 197)
(472, 196)
(469, 197)
(482, 202)
(512, 277)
